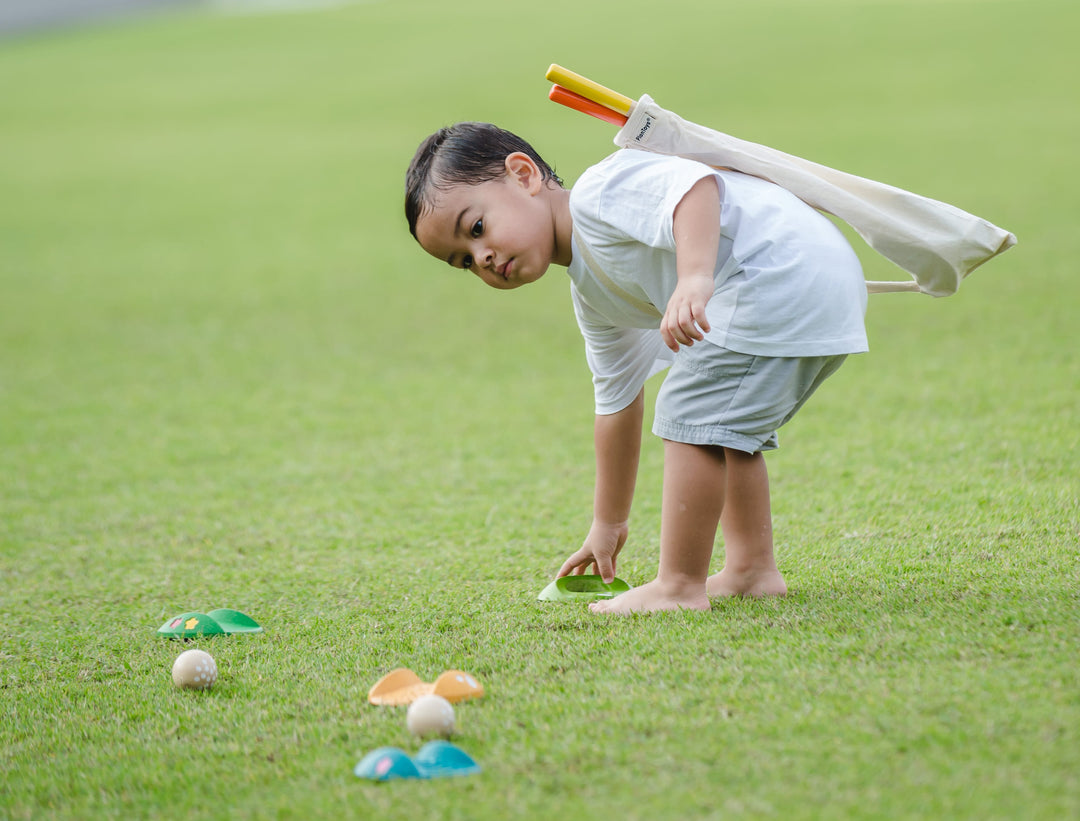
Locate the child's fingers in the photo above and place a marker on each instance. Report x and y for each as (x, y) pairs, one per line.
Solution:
(691, 329)
(694, 320)
(684, 328)
(605, 566)
(702, 320)
(578, 560)
(666, 335)
(669, 340)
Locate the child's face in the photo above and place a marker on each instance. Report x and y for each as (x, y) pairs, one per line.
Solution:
(502, 230)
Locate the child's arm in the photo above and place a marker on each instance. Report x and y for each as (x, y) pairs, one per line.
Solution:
(618, 446)
(697, 242)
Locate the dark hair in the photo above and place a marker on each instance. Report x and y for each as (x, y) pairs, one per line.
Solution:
(469, 153)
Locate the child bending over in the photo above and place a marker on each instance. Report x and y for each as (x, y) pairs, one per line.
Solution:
(751, 298)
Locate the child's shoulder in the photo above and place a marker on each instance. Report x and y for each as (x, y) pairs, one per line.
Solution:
(639, 158)
(634, 175)
(633, 167)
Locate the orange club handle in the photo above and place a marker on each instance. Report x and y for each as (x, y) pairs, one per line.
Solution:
(572, 99)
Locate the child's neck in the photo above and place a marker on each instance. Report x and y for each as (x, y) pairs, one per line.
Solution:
(559, 200)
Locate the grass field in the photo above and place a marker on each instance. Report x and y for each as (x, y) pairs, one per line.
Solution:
(228, 377)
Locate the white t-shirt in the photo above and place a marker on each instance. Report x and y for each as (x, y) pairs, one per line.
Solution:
(787, 282)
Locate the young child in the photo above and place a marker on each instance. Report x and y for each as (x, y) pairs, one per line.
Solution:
(751, 296)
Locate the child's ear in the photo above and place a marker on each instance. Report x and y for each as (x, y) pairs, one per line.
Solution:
(523, 170)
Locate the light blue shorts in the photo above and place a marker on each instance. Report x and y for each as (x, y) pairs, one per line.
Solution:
(713, 396)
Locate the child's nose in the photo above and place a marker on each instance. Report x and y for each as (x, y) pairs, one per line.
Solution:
(484, 257)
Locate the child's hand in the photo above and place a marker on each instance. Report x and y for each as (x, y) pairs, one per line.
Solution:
(684, 320)
(600, 550)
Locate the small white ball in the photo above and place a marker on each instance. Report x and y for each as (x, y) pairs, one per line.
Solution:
(194, 670)
(430, 715)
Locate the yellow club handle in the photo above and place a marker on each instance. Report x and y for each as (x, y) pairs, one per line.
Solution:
(587, 88)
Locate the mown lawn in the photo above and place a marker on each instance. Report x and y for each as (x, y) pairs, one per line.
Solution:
(229, 378)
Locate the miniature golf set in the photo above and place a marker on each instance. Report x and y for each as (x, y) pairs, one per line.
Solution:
(429, 703)
(430, 711)
(216, 622)
(937, 244)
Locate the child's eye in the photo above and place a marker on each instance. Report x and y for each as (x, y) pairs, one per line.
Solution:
(466, 261)
(478, 228)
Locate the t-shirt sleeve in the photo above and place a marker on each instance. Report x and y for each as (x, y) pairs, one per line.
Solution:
(638, 201)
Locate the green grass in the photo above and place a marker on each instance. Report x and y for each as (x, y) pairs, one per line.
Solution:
(228, 377)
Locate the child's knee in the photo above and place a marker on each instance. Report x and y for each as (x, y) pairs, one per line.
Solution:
(742, 456)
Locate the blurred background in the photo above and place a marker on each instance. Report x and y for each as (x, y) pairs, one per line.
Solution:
(29, 15)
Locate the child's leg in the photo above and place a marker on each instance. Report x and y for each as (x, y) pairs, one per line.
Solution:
(692, 504)
(749, 565)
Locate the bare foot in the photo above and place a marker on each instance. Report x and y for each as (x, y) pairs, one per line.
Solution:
(756, 584)
(652, 597)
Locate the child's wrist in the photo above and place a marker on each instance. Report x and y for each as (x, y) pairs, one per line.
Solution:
(612, 523)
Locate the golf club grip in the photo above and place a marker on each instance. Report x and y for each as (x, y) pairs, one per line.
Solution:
(570, 99)
(588, 89)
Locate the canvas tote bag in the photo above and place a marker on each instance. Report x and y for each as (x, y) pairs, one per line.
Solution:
(936, 243)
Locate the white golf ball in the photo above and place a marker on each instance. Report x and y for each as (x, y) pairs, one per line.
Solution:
(194, 670)
(430, 715)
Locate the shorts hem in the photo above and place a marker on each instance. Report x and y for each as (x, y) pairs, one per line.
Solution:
(715, 435)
